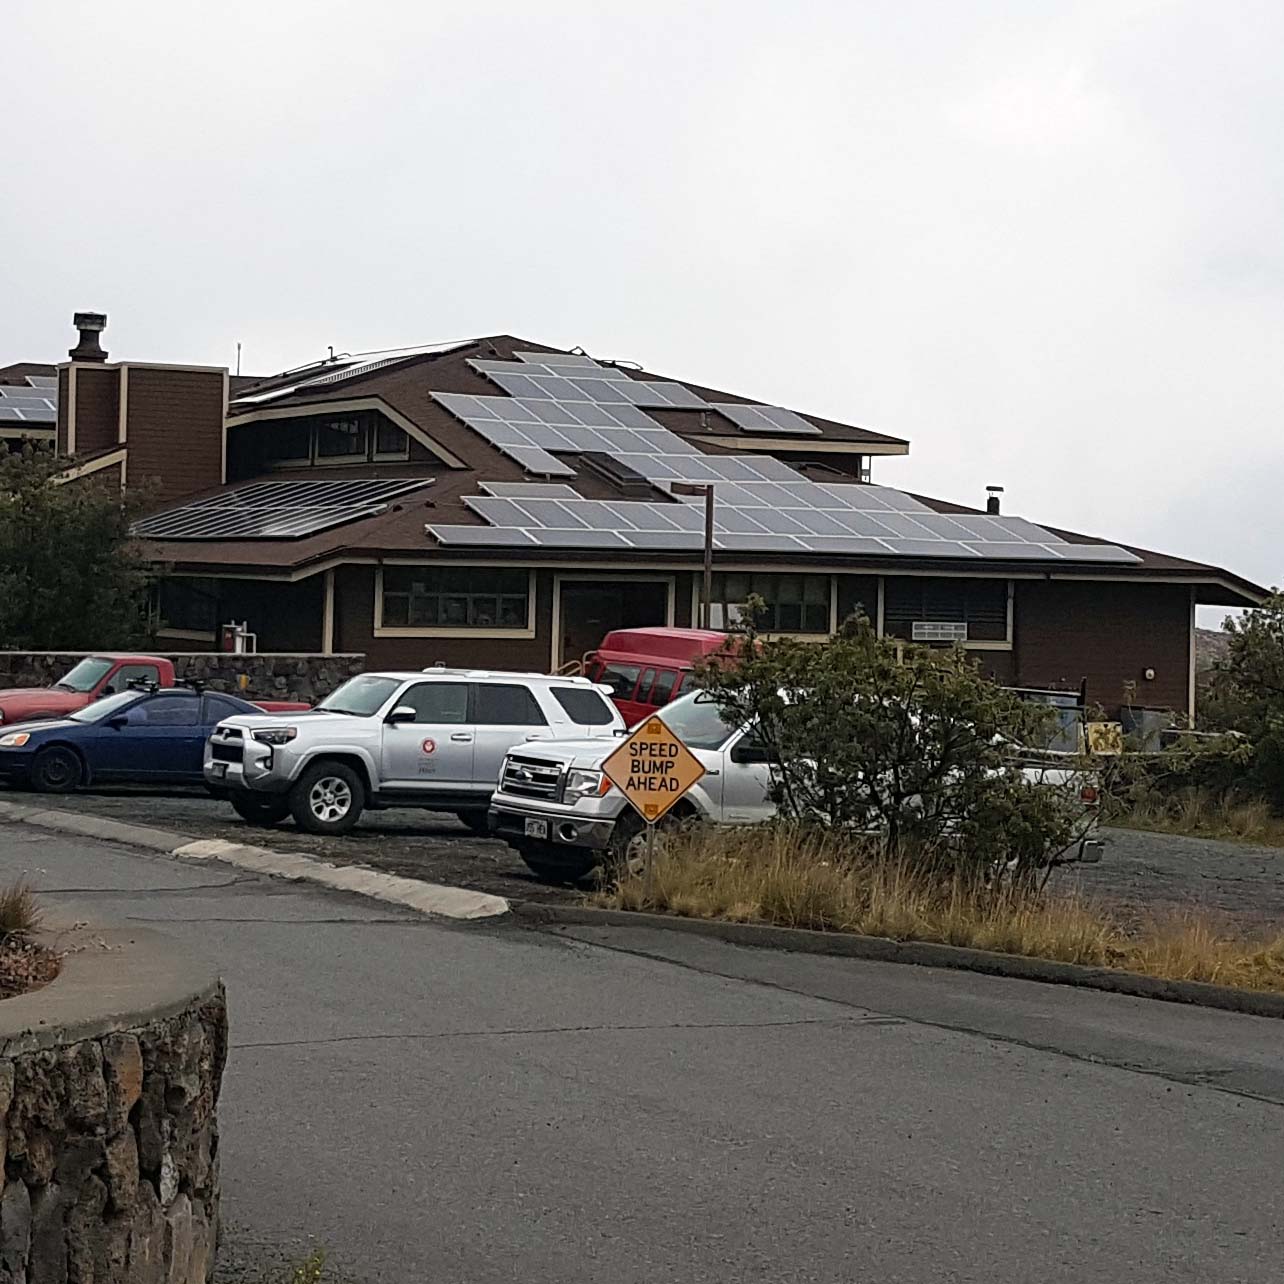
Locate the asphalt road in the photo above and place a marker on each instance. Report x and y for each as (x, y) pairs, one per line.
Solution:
(1141, 871)
(488, 1103)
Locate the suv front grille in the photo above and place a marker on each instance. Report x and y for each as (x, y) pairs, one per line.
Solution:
(527, 777)
(227, 745)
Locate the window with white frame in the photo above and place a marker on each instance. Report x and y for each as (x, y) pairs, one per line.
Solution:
(979, 606)
(795, 603)
(455, 597)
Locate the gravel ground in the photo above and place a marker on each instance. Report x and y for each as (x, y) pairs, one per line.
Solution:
(1140, 871)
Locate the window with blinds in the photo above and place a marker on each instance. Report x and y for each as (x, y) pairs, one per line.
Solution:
(981, 605)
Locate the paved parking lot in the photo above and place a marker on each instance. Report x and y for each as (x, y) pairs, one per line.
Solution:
(1140, 870)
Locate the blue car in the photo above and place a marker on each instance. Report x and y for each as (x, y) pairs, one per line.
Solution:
(154, 736)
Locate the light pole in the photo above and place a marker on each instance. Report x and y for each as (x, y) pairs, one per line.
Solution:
(706, 595)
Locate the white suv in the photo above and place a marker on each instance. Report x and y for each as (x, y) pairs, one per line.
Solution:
(433, 739)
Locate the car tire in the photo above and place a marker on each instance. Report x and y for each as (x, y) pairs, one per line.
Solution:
(558, 865)
(476, 822)
(258, 809)
(327, 799)
(57, 770)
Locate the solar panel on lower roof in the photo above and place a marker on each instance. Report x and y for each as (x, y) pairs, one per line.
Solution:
(530, 490)
(277, 510)
(482, 536)
(767, 419)
(43, 381)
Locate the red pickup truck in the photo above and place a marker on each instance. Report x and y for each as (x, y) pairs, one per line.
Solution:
(96, 676)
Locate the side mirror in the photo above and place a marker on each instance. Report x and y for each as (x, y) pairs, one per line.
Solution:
(118, 720)
(748, 751)
(402, 713)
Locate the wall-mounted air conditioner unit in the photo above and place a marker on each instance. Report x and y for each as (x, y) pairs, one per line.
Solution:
(939, 631)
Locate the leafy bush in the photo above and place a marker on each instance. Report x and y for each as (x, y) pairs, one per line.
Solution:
(872, 735)
(70, 578)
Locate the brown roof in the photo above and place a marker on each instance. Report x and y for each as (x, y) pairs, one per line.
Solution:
(405, 385)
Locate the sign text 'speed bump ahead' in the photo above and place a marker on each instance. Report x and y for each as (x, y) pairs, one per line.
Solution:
(653, 769)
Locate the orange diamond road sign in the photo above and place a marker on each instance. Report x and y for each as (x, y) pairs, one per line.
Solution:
(653, 769)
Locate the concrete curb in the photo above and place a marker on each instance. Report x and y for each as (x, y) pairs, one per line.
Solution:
(924, 954)
(424, 898)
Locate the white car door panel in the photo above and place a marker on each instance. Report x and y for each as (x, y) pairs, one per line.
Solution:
(504, 714)
(746, 785)
(435, 751)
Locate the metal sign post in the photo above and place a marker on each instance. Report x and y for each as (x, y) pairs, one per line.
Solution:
(652, 769)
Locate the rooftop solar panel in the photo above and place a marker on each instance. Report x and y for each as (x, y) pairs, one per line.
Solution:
(767, 419)
(277, 510)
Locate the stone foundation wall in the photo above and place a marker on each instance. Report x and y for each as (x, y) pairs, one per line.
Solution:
(268, 675)
(110, 1141)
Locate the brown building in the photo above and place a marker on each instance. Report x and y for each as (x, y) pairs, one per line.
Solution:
(501, 503)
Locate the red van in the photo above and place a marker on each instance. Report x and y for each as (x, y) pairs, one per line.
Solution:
(646, 668)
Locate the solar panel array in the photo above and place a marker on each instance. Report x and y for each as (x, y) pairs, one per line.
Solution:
(276, 510)
(343, 368)
(569, 405)
(35, 402)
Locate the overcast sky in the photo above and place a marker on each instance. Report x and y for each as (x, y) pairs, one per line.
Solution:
(1040, 240)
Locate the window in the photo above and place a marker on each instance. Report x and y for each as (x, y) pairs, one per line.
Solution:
(364, 434)
(698, 723)
(794, 603)
(84, 676)
(586, 708)
(127, 673)
(341, 437)
(507, 705)
(218, 707)
(687, 684)
(390, 441)
(361, 696)
(980, 604)
(188, 604)
(455, 597)
(166, 711)
(644, 686)
(621, 678)
(662, 692)
(289, 443)
(437, 702)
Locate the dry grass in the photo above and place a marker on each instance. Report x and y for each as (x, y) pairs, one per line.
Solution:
(1202, 815)
(792, 879)
(18, 910)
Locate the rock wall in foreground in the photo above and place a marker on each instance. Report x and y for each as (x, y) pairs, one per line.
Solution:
(110, 1148)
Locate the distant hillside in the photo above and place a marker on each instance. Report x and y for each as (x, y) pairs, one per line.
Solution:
(1211, 645)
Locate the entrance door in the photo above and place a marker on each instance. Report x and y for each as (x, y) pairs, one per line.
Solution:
(591, 609)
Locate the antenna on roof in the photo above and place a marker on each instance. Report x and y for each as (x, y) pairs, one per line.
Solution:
(238, 356)
(331, 347)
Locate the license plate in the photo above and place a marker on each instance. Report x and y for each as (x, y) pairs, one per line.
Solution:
(537, 829)
(218, 770)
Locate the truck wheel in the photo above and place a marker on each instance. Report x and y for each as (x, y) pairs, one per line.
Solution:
(558, 865)
(327, 799)
(476, 821)
(258, 809)
(56, 770)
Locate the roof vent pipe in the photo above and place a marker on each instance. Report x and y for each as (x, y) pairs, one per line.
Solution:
(90, 325)
(992, 504)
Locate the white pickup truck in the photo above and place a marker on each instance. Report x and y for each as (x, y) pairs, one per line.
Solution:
(558, 811)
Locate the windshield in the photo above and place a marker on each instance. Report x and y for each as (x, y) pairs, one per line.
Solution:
(86, 675)
(360, 696)
(105, 707)
(696, 721)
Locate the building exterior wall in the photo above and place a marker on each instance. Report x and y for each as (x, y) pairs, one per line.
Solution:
(97, 408)
(1110, 634)
(174, 429)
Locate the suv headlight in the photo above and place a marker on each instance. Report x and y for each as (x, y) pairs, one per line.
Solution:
(584, 784)
(15, 739)
(276, 735)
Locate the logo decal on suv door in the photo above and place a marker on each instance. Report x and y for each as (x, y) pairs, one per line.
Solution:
(430, 746)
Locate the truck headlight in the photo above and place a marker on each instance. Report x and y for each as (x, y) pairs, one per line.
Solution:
(584, 784)
(15, 739)
(276, 735)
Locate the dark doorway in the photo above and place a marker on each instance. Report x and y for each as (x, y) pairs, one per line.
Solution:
(590, 609)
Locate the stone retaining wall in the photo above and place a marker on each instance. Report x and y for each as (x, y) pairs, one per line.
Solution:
(268, 675)
(110, 1133)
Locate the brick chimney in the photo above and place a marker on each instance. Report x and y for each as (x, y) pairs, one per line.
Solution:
(90, 325)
